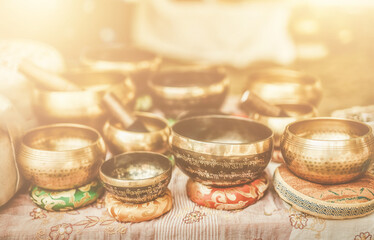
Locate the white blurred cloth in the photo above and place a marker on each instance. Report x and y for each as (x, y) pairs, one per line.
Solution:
(235, 34)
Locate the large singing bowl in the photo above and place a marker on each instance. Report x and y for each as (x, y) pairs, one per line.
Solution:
(177, 91)
(328, 150)
(61, 156)
(221, 150)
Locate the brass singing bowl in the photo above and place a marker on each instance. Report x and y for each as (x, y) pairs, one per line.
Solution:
(136, 177)
(280, 85)
(179, 91)
(121, 140)
(82, 106)
(221, 150)
(296, 111)
(328, 150)
(119, 57)
(61, 156)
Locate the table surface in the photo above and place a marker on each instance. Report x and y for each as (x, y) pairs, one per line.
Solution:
(269, 218)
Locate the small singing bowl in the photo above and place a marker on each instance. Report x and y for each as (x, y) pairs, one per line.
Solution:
(61, 156)
(296, 111)
(136, 177)
(328, 150)
(177, 91)
(119, 57)
(121, 140)
(279, 85)
(221, 150)
(83, 106)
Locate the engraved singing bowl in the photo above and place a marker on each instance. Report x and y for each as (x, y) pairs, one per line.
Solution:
(280, 85)
(83, 106)
(177, 91)
(61, 156)
(328, 150)
(296, 111)
(221, 150)
(121, 140)
(136, 177)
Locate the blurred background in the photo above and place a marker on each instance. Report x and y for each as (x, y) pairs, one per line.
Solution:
(330, 39)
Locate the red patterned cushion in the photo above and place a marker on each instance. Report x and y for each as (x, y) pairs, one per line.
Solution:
(231, 198)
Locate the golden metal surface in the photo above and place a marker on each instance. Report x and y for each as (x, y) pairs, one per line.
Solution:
(119, 58)
(296, 111)
(82, 106)
(136, 177)
(178, 91)
(61, 156)
(281, 85)
(328, 150)
(221, 150)
(121, 140)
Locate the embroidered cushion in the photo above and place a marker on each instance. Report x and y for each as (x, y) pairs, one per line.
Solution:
(340, 201)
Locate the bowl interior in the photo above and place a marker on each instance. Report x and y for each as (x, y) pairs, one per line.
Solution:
(135, 166)
(119, 54)
(187, 79)
(60, 138)
(95, 81)
(328, 129)
(220, 129)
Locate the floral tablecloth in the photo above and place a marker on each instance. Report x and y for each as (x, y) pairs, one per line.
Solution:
(269, 218)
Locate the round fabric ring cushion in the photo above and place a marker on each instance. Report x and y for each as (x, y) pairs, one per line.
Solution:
(340, 201)
(230, 198)
(129, 212)
(66, 200)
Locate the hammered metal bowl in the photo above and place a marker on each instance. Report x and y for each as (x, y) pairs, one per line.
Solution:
(179, 91)
(61, 156)
(121, 140)
(279, 85)
(83, 106)
(296, 111)
(328, 150)
(221, 150)
(136, 177)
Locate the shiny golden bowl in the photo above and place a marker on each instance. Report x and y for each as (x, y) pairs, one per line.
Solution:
(119, 57)
(279, 85)
(296, 111)
(121, 140)
(83, 106)
(179, 91)
(138, 63)
(221, 150)
(136, 177)
(328, 150)
(61, 156)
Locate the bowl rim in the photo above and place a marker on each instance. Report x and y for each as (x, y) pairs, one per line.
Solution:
(143, 114)
(225, 117)
(367, 134)
(71, 125)
(138, 182)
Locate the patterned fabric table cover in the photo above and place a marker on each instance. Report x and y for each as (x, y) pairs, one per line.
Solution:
(269, 218)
